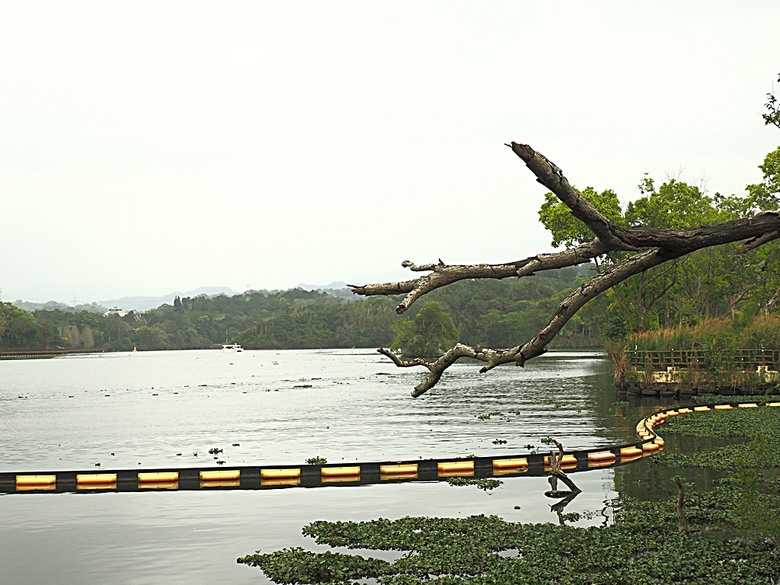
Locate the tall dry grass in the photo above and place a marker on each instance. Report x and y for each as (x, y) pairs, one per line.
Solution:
(762, 331)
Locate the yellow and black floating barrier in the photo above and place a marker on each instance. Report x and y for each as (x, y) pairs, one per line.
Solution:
(286, 476)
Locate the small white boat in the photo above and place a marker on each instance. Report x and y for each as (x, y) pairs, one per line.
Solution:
(232, 347)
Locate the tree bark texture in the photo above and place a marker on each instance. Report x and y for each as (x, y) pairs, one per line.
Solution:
(646, 248)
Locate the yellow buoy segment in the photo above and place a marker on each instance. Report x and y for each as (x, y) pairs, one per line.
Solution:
(455, 466)
(286, 473)
(399, 469)
(95, 478)
(512, 463)
(220, 475)
(158, 476)
(35, 480)
(333, 472)
(631, 452)
(723, 407)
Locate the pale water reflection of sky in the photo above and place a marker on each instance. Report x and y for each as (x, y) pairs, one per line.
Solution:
(150, 147)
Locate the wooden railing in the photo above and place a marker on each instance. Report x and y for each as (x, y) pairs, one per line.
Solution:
(723, 360)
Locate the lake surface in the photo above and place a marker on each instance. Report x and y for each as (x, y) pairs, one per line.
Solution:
(166, 409)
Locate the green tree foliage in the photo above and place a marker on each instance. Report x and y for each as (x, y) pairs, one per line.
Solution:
(708, 283)
(766, 195)
(430, 333)
(18, 329)
(569, 231)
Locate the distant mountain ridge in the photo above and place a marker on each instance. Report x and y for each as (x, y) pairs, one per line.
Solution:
(146, 303)
(136, 303)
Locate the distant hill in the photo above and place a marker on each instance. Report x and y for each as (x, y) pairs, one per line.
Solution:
(54, 306)
(146, 303)
(332, 286)
(337, 289)
(141, 303)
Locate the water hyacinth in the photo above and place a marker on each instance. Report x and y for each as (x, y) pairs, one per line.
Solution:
(732, 537)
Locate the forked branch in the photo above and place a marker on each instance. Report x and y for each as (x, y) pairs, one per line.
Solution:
(647, 247)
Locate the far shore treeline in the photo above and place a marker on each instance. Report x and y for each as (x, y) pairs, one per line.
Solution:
(490, 313)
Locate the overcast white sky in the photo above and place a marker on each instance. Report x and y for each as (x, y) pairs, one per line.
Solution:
(151, 147)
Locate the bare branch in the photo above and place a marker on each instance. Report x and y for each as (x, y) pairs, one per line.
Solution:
(682, 520)
(549, 175)
(437, 367)
(444, 274)
(538, 345)
(758, 241)
(649, 247)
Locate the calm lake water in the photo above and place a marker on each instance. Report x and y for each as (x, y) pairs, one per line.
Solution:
(164, 409)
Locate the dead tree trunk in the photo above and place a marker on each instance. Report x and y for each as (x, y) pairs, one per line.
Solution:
(646, 248)
(557, 473)
(679, 507)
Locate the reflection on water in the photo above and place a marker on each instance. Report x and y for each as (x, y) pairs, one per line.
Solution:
(158, 409)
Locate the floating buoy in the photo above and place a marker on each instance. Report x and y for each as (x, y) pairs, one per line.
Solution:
(36, 481)
(95, 479)
(515, 463)
(151, 477)
(345, 474)
(281, 473)
(400, 469)
(601, 456)
(455, 468)
(226, 475)
(628, 452)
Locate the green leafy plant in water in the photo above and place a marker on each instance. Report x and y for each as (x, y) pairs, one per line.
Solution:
(483, 484)
(295, 565)
(643, 545)
(489, 415)
(752, 460)
(316, 460)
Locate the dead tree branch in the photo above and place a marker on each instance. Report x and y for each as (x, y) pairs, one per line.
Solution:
(646, 247)
(557, 473)
(679, 506)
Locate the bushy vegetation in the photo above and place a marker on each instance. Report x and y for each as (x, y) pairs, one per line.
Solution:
(763, 331)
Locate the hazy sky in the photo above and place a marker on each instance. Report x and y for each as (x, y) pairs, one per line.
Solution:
(151, 147)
